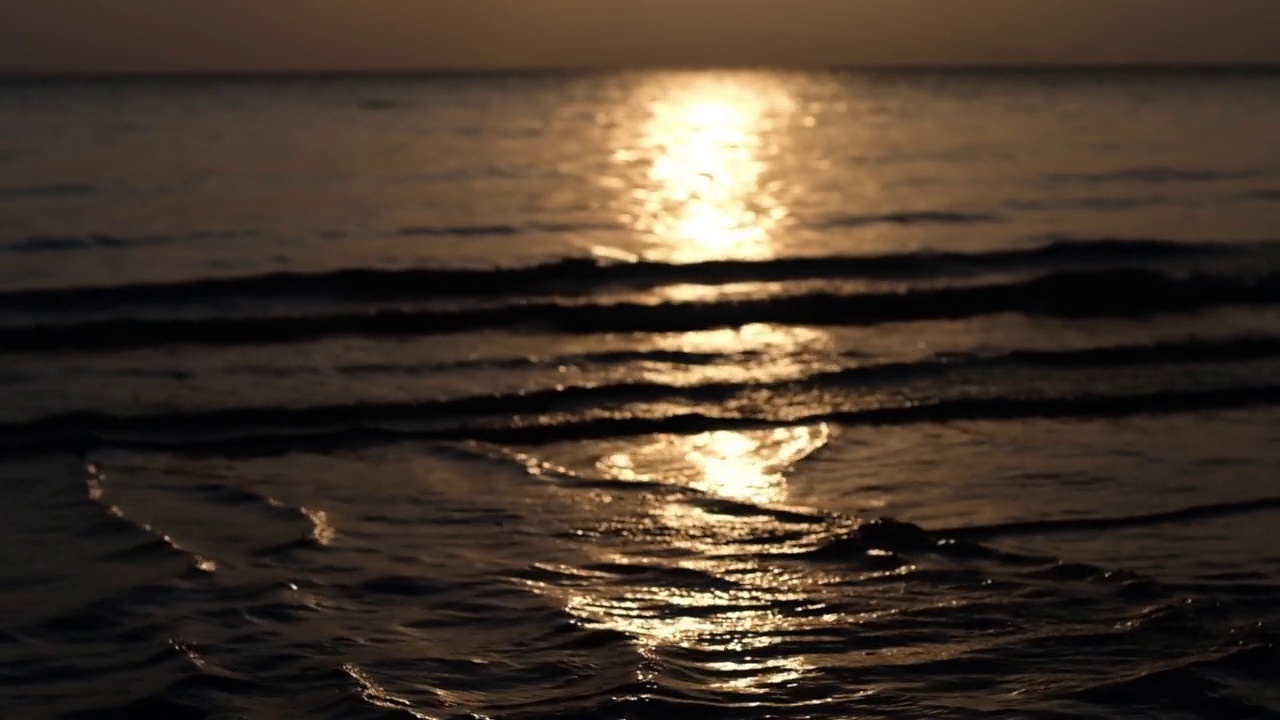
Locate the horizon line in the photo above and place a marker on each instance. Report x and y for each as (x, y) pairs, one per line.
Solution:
(18, 76)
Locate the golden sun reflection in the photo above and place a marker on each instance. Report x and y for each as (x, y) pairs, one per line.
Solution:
(737, 610)
(736, 627)
(754, 353)
(705, 195)
(738, 465)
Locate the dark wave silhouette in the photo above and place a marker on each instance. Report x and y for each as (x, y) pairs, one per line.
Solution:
(459, 230)
(1103, 203)
(1231, 349)
(271, 429)
(99, 241)
(1155, 174)
(882, 540)
(69, 242)
(919, 217)
(1225, 350)
(54, 190)
(1099, 294)
(1043, 527)
(581, 276)
(1270, 195)
(1184, 351)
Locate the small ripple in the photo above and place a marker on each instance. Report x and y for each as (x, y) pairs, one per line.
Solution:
(160, 542)
(376, 695)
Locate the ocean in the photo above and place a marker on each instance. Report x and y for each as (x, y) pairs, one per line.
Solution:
(641, 395)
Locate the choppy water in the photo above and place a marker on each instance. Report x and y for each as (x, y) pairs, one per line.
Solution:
(629, 396)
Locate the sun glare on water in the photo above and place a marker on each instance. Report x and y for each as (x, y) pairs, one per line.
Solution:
(701, 186)
(745, 466)
(707, 145)
(739, 467)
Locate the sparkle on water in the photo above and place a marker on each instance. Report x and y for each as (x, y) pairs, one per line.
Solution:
(705, 195)
(707, 144)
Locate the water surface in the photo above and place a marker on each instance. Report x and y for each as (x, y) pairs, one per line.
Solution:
(732, 395)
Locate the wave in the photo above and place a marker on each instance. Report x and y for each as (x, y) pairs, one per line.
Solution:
(1261, 195)
(585, 275)
(919, 217)
(1217, 350)
(982, 408)
(459, 230)
(263, 430)
(1043, 527)
(378, 104)
(969, 615)
(1119, 293)
(501, 229)
(1231, 349)
(880, 542)
(95, 241)
(68, 242)
(1225, 350)
(1210, 684)
(54, 190)
(1155, 174)
(1104, 203)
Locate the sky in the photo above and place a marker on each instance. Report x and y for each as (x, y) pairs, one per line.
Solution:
(149, 36)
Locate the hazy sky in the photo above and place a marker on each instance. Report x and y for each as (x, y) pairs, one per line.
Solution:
(236, 35)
